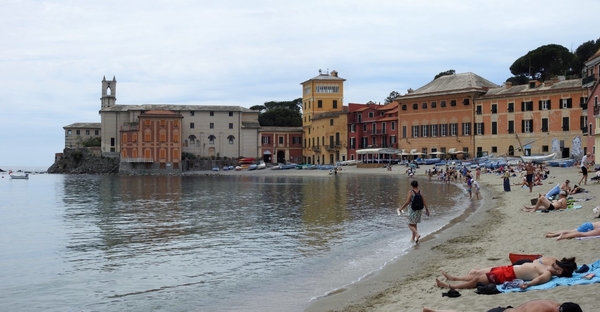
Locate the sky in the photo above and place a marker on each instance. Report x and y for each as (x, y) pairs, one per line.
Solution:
(54, 54)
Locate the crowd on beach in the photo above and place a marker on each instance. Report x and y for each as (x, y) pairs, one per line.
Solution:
(532, 271)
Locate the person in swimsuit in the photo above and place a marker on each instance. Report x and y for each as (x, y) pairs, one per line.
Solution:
(587, 229)
(534, 273)
(414, 216)
(540, 305)
(544, 203)
(529, 177)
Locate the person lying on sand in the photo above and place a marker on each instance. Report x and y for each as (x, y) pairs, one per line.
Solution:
(542, 305)
(544, 203)
(586, 229)
(534, 273)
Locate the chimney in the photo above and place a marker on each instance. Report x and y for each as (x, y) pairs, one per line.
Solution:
(334, 73)
(508, 84)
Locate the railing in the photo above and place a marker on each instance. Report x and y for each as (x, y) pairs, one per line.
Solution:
(138, 160)
(329, 148)
(130, 128)
(316, 148)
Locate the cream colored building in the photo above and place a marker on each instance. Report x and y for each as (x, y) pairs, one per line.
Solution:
(79, 132)
(206, 130)
(324, 119)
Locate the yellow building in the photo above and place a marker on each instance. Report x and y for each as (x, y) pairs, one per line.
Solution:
(324, 119)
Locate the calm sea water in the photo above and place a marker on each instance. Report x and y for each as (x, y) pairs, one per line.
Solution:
(200, 243)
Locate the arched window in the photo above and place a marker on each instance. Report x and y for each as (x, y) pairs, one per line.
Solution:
(211, 139)
(192, 138)
(231, 139)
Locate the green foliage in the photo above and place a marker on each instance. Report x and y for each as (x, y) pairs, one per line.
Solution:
(187, 155)
(446, 73)
(93, 141)
(583, 53)
(544, 62)
(280, 114)
(391, 97)
(280, 117)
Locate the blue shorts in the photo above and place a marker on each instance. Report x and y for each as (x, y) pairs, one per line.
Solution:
(586, 227)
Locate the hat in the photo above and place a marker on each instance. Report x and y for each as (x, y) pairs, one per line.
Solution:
(570, 307)
(563, 193)
(452, 293)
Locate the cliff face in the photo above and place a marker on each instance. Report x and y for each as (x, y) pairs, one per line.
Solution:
(84, 160)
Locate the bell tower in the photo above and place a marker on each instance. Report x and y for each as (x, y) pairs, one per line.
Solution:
(109, 92)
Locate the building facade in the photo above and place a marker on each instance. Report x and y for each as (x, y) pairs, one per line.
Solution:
(281, 144)
(324, 119)
(591, 75)
(372, 125)
(205, 130)
(78, 133)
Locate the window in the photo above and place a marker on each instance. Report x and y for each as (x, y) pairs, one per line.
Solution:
(583, 124)
(424, 105)
(494, 127)
(212, 125)
(352, 128)
(434, 130)
(231, 125)
(404, 132)
(212, 113)
(511, 107)
(453, 129)
(373, 128)
(478, 110)
(545, 148)
(527, 126)
(511, 126)
(452, 102)
(544, 124)
(267, 140)
(96, 132)
(78, 132)
(466, 128)
(494, 108)
(442, 103)
(415, 106)
(334, 103)
(87, 132)
(230, 114)
(211, 139)
(191, 113)
(494, 149)
(176, 123)
(526, 106)
(565, 124)
(191, 125)
(163, 122)
(566, 103)
(320, 104)
(424, 131)
(359, 118)
(403, 106)
(444, 130)
(364, 127)
(415, 131)
(296, 140)
(466, 101)
(69, 132)
(544, 104)
(163, 136)
(280, 140)
(371, 115)
(393, 126)
(479, 128)
(433, 104)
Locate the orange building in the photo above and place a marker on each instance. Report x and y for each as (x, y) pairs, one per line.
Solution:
(372, 126)
(281, 144)
(153, 143)
(438, 117)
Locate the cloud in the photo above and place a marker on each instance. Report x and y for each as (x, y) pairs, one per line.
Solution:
(55, 53)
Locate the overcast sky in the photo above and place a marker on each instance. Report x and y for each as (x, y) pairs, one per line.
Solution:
(53, 54)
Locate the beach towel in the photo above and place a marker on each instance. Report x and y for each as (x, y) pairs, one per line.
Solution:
(577, 279)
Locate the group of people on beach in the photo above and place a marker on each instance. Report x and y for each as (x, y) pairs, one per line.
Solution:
(529, 272)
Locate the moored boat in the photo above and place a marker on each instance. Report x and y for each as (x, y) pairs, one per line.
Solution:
(539, 158)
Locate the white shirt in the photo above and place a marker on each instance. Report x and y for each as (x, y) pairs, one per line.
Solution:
(584, 161)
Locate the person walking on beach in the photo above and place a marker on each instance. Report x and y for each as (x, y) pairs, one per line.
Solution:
(529, 177)
(533, 273)
(584, 171)
(540, 305)
(417, 202)
(506, 178)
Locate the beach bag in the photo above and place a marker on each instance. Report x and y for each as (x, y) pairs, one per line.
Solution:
(486, 289)
(417, 202)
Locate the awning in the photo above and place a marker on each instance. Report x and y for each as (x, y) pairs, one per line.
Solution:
(436, 153)
(452, 151)
(418, 153)
(403, 153)
(267, 152)
(413, 151)
(390, 151)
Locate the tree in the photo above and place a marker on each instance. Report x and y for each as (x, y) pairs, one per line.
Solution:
(446, 73)
(583, 53)
(391, 97)
(543, 62)
(280, 114)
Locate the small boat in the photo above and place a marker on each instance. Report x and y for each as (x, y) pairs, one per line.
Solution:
(539, 158)
(19, 176)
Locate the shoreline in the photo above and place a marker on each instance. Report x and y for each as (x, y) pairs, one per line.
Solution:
(484, 238)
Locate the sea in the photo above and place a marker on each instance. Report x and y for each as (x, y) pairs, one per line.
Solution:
(204, 242)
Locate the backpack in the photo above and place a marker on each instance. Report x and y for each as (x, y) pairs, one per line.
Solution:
(417, 202)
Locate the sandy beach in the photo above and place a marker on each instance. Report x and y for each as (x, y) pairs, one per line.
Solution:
(482, 237)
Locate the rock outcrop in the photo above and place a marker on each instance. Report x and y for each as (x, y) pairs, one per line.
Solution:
(84, 161)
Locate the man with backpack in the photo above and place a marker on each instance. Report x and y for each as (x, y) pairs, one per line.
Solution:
(417, 202)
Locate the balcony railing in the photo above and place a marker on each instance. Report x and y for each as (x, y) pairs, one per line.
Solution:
(138, 160)
(316, 148)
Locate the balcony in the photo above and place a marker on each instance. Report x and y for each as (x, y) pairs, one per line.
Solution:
(316, 148)
(588, 79)
(138, 160)
(130, 126)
